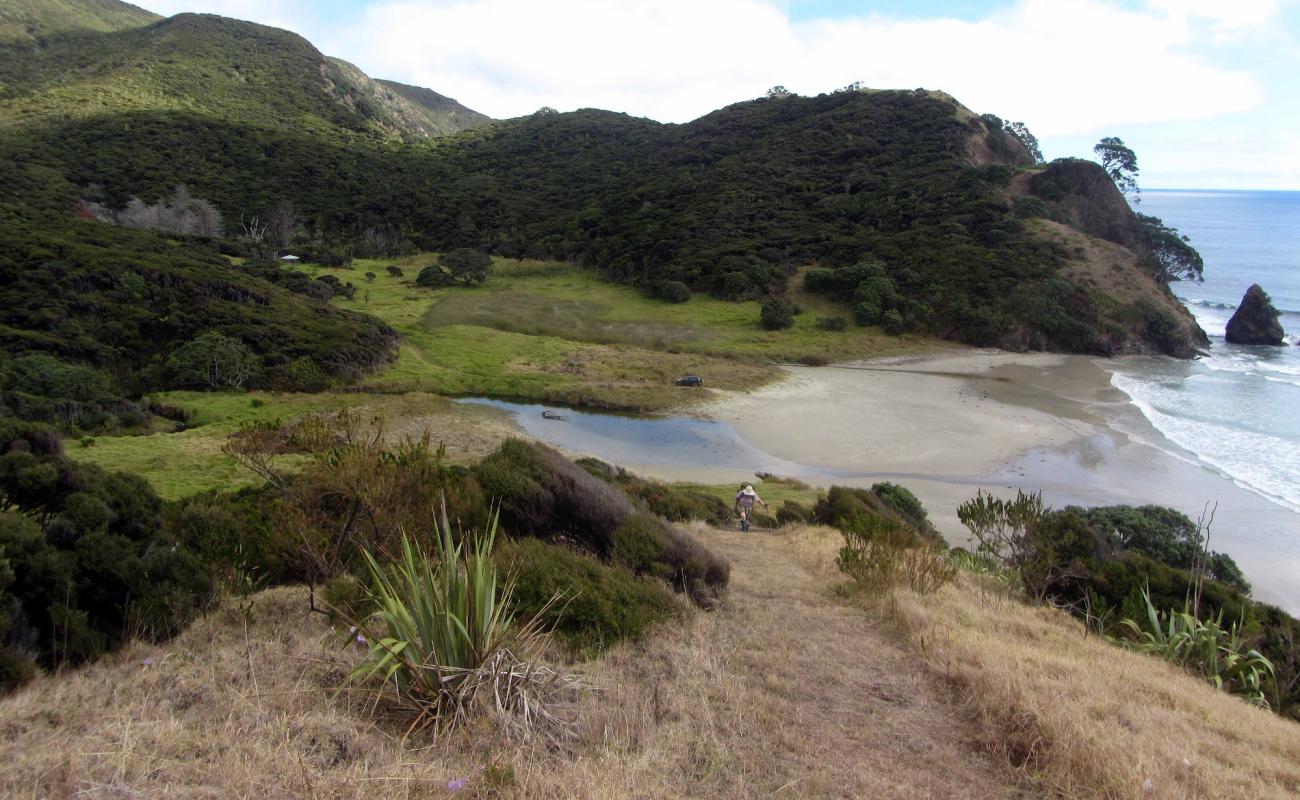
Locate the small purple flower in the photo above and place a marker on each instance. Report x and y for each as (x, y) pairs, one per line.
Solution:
(457, 784)
(353, 629)
(361, 640)
(148, 662)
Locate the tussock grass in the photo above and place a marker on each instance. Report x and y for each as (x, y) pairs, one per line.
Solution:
(1085, 718)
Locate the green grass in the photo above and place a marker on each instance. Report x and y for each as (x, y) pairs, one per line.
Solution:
(535, 330)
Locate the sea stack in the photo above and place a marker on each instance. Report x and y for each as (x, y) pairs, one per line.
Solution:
(1255, 321)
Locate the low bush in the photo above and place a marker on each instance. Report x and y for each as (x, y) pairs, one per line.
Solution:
(881, 553)
(673, 503)
(445, 639)
(544, 494)
(841, 504)
(674, 292)
(832, 323)
(1205, 647)
(777, 313)
(88, 564)
(791, 513)
(601, 604)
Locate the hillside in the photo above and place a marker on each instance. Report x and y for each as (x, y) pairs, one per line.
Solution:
(457, 117)
(36, 21)
(786, 690)
(214, 67)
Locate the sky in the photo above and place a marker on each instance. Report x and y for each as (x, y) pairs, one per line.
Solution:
(1201, 90)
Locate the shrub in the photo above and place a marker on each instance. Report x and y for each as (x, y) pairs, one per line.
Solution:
(302, 375)
(370, 277)
(544, 494)
(394, 271)
(444, 636)
(902, 502)
(820, 281)
(602, 605)
(466, 266)
(893, 322)
(832, 323)
(638, 543)
(433, 276)
(674, 291)
(880, 553)
(213, 361)
(90, 561)
(777, 314)
(791, 513)
(1204, 647)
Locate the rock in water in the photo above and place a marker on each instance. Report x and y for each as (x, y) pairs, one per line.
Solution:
(1255, 321)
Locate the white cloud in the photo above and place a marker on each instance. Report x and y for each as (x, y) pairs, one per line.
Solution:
(1067, 68)
(1062, 66)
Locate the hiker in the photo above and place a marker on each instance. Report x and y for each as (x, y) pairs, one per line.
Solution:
(745, 499)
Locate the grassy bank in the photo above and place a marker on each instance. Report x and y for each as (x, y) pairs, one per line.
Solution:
(534, 330)
(788, 689)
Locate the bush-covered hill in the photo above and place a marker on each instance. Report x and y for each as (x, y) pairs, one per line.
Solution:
(126, 312)
(216, 67)
(909, 197)
(36, 21)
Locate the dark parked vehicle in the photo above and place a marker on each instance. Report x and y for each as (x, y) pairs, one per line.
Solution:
(690, 380)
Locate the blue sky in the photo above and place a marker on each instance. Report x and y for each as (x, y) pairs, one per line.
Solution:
(1201, 89)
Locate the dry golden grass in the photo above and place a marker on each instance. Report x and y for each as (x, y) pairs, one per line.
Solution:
(785, 691)
(1085, 718)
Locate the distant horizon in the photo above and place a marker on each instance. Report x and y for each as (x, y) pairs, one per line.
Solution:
(1189, 190)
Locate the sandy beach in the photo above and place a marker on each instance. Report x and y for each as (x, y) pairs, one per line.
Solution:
(950, 425)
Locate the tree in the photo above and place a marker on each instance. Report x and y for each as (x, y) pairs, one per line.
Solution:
(777, 313)
(1172, 256)
(466, 265)
(214, 360)
(1120, 163)
(282, 223)
(1020, 132)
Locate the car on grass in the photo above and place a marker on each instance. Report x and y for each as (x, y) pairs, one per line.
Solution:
(690, 380)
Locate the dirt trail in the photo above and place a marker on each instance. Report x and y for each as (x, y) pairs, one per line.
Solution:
(851, 713)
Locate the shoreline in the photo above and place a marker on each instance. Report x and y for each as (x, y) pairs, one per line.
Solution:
(950, 424)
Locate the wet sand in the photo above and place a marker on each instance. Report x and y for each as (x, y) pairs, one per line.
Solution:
(950, 425)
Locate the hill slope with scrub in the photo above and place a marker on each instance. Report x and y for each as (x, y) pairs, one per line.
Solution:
(908, 196)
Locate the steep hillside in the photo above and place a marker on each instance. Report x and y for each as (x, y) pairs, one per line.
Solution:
(448, 115)
(211, 66)
(36, 21)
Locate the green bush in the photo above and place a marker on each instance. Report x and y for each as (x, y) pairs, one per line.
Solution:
(602, 605)
(302, 375)
(674, 292)
(893, 322)
(832, 323)
(777, 314)
(544, 494)
(638, 543)
(792, 513)
(91, 562)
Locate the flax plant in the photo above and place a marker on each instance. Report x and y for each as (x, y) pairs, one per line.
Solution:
(1219, 653)
(447, 644)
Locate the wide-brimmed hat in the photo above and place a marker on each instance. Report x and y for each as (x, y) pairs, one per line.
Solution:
(748, 490)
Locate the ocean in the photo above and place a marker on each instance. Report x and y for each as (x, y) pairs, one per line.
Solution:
(1236, 410)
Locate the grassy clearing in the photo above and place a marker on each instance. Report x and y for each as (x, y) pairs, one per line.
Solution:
(535, 330)
(179, 464)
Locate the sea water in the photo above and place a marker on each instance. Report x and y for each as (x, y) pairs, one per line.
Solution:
(1237, 409)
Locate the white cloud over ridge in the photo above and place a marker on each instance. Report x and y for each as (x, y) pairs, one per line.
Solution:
(1168, 75)
(1062, 66)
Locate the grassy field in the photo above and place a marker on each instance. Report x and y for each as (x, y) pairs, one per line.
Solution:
(534, 330)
